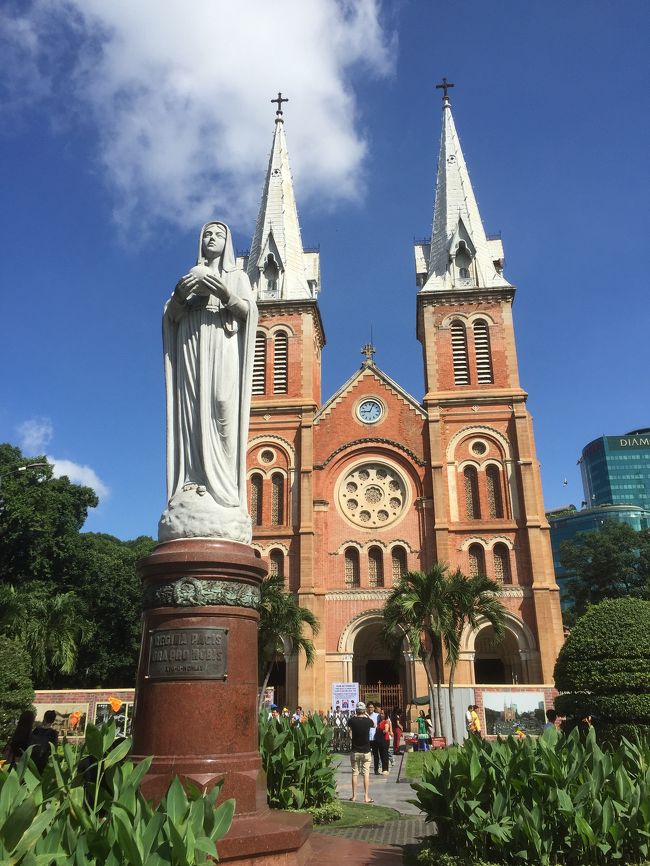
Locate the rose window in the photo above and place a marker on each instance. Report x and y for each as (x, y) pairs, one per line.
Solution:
(373, 495)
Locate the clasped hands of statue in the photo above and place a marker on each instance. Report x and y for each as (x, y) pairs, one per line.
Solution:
(208, 284)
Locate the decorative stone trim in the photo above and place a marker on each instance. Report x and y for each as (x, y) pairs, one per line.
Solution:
(357, 595)
(515, 592)
(192, 592)
(375, 440)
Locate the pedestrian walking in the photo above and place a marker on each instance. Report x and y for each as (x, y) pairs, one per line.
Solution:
(19, 740)
(398, 730)
(361, 726)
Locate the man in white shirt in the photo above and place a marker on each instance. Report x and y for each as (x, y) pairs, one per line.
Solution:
(374, 717)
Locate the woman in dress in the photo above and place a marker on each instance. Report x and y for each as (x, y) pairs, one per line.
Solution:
(383, 738)
(423, 732)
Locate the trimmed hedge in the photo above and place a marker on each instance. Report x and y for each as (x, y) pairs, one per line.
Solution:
(604, 667)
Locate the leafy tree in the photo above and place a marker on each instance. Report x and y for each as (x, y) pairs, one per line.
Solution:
(106, 578)
(612, 562)
(472, 601)
(282, 622)
(418, 609)
(61, 590)
(603, 669)
(40, 519)
(16, 690)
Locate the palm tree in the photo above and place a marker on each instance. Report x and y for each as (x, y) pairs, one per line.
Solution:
(281, 626)
(51, 627)
(418, 609)
(471, 601)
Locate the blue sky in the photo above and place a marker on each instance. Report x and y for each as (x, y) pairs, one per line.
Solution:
(122, 129)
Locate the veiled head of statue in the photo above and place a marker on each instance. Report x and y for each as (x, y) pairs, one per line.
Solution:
(216, 243)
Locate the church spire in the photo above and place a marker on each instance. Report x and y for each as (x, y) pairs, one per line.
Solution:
(460, 254)
(277, 265)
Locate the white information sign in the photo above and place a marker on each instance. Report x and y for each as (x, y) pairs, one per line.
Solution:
(345, 696)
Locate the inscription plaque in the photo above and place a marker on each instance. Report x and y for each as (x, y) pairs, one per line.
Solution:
(188, 654)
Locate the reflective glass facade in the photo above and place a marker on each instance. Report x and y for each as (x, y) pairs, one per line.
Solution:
(565, 526)
(616, 470)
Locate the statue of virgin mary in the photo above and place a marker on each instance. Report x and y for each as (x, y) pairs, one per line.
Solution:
(209, 328)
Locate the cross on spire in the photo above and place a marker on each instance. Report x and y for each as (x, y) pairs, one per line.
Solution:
(444, 87)
(279, 100)
(369, 351)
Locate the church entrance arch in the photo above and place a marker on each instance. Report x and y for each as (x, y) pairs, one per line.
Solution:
(505, 661)
(381, 676)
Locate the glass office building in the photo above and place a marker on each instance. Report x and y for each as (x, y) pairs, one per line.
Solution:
(568, 522)
(616, 470)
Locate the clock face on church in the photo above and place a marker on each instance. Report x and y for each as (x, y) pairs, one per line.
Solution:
(370, 411)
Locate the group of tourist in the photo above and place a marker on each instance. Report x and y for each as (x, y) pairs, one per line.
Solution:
(39, 738)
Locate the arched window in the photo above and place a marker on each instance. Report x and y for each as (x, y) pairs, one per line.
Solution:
(259, 364)
(352, 573)
(280, 357)
(476, 560)
(494, 495)
(276, 563)
(459, 353)
(277, 499)
(482, 351)
(375, 567)
(502, 571)
(398, 563)
(472, 502)
(256, 499)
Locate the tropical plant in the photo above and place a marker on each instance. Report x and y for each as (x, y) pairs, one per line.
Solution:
(87, 808)
(418, 609)
(472, 601)
(16, 690)
(603, 669)
(51, 627)
(548, 801)
(282, 621)
(298, 762)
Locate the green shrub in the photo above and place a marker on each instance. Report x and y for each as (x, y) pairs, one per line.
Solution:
(16, 690)
(297, 760)
(327, 814)
(603, 669)
(87, 808)
(555, 800)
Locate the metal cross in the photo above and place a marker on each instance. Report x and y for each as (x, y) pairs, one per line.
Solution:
(369, 351)
(444, 87)
(279, 100)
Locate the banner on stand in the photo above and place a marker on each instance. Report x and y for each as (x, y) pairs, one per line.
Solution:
(345, 696)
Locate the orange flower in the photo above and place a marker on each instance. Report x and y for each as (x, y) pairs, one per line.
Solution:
(116, 704)
(75, 718)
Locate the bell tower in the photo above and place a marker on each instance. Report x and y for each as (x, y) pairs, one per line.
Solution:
(286, 388)
(488, 506)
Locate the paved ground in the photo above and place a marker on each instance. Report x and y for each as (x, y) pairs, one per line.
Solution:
(392, 790)
(390, 836)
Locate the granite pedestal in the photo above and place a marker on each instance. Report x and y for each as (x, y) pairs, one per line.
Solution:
(196, 693)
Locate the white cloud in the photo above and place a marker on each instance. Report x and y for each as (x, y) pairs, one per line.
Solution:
(179, 94)
(79, 475)
(34, 435)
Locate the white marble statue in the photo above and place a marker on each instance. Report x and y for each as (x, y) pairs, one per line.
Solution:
(209, 340)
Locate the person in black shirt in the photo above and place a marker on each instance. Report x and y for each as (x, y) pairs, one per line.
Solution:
(360, 726)
(42, 738)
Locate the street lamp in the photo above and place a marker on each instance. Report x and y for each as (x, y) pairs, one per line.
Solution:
(21, 469)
